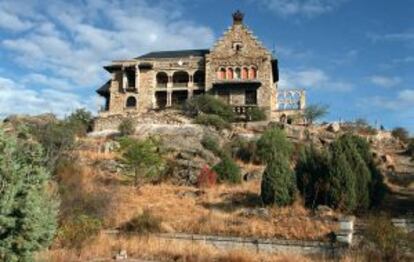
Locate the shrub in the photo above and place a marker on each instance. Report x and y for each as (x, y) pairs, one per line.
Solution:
(344, 176)
(212, 120)
(27, 203)
(80, 121)
(207, 177)
(315, 112)
(127, 127)
(75, 231)
(389, 242)
(278, 183)
(273, 144)
(244, 150)
(208, 104)
(210, 143)
(142, 157)
(256, 114)
(401, 134)
(227, 170)
(144, 223)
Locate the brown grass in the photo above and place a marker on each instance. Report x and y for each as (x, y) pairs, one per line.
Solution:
(105, 247)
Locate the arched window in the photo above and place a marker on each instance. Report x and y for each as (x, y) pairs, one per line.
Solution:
(162, 79)
(199, 77)
(237, 73)
(221, 74)
(180, 79)
(253, 73)
(131, 102)
(245, 73)
(229, 73)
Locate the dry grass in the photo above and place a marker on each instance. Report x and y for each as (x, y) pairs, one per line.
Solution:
(105, 247)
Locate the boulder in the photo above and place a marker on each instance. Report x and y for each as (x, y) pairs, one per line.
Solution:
(256, 212)
(252, 175)
(334, 127)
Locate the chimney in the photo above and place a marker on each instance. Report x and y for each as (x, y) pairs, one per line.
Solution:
(238, 18)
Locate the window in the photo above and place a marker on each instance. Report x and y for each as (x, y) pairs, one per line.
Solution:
(245, 73)
(131, 102)
(199, 77)
(229, 73)
(253, 73)
(237, 73)
(222, 74)
(250, 97)
(162, 79)
(130, 77)
(237, 46)
(181, 79)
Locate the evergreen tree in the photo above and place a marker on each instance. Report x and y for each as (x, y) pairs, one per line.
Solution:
(278, 184)
(27, 208)
(273, 145)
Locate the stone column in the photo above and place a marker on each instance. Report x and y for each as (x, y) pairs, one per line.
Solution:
(169, 98)
(136, 77)
(124, 80)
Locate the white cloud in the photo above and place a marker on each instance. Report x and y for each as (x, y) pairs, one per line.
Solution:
(385, 81)
(404, 99)
(12, 22)
(312, 78)
(307, 8)
(16, 98)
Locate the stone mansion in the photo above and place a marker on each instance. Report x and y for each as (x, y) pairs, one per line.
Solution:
(238, 69)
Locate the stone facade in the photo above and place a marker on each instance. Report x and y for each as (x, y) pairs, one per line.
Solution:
(237, 69)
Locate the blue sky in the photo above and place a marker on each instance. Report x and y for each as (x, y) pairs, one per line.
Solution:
(355, 56)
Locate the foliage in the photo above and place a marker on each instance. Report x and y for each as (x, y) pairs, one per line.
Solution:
(390, 243)
(212, 120)
(344, 176)
(362, 126)
(144, 223)
(207, 177)
(400, 133)
(208, 104)
(315, 112)
(278, 183)
(228, 170)
(127, 127)
(142, 157)
(210, 143)
(80, 121)
(244, 150)
(75, 231)
(57, 140)
(27, 203)
(273, 144)
(256, 114)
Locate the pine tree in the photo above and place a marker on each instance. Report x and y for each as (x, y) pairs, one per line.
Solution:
(278, 184)
(28, 208)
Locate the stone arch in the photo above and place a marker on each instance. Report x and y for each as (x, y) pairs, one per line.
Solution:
(162, 79)
(229, 73)
(253, 72)
(181, 79)
(131, 102)
(199, 77)
(245, 73)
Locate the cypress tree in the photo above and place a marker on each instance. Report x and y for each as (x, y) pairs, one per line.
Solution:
(27, 208)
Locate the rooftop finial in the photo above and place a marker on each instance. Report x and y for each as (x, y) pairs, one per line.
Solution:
(238, 17)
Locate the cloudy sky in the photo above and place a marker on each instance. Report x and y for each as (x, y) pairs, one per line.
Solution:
(355, 56)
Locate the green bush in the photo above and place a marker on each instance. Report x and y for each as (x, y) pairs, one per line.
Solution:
(401, 134)
(245, 150)
(127, 127)
(315, 112)
(208, 104)
(227, 170)
(256, 114)
(272, 145)
(75, 231)
(142, 157)
(212, 120)
(344, 176)
(80, 121)
(278, 183)
(210, 143)
(28, 205)
(144, 223)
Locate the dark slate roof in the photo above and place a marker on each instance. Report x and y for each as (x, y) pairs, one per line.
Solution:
(104, 90)
(176, 53)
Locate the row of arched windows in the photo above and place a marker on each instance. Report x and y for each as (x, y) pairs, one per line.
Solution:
(237, 73)
(179, 78)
